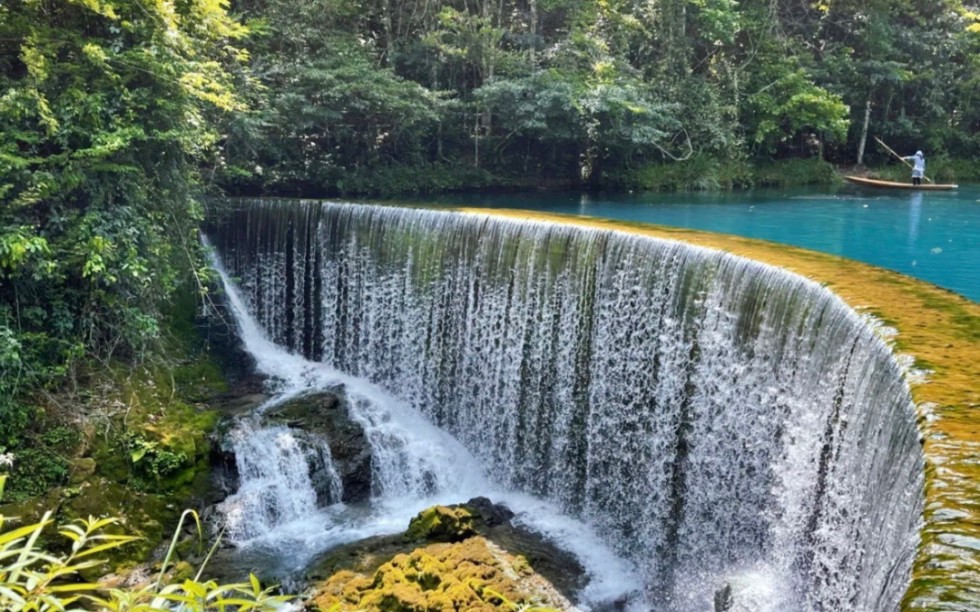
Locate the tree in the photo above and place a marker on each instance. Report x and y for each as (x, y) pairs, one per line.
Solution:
(107, 114)
(568, 89)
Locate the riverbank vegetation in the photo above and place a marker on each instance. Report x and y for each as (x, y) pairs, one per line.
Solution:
(108, 114)
(33, 576)
(378, 97)
(117, 117)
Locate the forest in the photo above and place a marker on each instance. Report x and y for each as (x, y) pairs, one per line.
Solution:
(387, 97)
(120, 118)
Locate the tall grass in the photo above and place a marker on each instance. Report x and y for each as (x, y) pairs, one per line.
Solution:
(794, 172)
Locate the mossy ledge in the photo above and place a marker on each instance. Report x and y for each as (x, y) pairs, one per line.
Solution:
(135, 440)
(940, 330)
(459, 557)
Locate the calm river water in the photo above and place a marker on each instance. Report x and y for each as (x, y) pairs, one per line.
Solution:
(934, 236)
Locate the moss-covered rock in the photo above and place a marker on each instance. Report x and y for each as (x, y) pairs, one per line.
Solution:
(473, 574)
(30, 510)
(146, 516)
(162, 455)
(81, 469)
(460, 557)
(441, 524)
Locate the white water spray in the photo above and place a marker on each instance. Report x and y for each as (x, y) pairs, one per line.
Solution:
(414, 465)
(274, 466)
(704, 413)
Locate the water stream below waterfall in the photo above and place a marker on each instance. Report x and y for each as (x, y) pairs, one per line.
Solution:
(680, 419)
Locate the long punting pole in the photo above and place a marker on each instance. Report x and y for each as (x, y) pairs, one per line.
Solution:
(903, 160)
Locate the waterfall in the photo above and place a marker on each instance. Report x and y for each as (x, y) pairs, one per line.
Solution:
(411, 459)
(278, 522)
(715, 419)
(274, 465)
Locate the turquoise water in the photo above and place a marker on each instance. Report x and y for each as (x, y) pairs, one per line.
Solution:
(931, 236)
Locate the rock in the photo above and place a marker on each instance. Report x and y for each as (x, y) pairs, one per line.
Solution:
(723, 599)
(31, 510)
(451, 542)
(326, 414)
(558, 566)
(490, 513)
(224, 473)
(459, 521)
(474, 575)
(81, 469)
(240, 401)
(441, 524)
(140, 514)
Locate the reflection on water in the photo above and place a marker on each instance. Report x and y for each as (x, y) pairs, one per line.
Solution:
(915, 211)
(934, 236)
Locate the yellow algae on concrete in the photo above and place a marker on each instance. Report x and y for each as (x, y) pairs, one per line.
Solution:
(941, 331)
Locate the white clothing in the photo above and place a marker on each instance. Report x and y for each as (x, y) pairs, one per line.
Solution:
(918, 164)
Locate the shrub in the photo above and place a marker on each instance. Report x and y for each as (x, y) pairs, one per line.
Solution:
(699, 173)
(36, 471)
(33, 578)
(795, 172)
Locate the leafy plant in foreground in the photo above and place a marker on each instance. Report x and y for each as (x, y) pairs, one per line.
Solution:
(33, 578)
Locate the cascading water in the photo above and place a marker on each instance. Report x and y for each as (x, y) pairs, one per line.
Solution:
(277, 519)
(718, 420)
(274, 467)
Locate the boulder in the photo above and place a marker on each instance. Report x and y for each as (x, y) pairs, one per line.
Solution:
(461, 556)
(82, 469)
(474, 575)
(224, 472)
(489, 513)
(724, 602)
(441, 524)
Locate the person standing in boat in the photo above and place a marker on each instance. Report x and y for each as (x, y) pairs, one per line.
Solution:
(918, 167)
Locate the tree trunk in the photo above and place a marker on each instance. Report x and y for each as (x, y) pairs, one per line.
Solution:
(438, 154)
(476, 141)
(389, 38)
(434, 83)
(864, 130)
(533, 8)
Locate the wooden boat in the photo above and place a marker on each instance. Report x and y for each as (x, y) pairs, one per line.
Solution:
(860, 180)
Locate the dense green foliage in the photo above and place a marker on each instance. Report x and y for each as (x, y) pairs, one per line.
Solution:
(33, 577)
(382, 96)
(115, 115)
(107, 115)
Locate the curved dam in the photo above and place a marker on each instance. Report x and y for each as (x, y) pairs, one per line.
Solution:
(717, 420)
